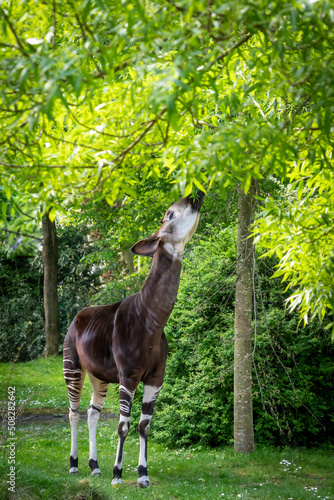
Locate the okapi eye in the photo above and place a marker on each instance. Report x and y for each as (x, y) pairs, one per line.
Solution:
(171, 215)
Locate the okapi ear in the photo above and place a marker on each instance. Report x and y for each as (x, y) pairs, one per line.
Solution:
(146, 247)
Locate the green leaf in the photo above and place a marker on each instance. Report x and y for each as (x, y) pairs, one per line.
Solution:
(300, 189)
(52, 214)
(199, 185)
(188, 189)
(328, 120)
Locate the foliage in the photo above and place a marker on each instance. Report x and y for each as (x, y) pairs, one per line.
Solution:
(300, 232)
(115, 290)
(21, 306)
(99, 96)
(292, 373)
(21, 292)
(77, 279)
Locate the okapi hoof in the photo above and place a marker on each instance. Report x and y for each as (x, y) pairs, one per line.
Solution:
(143, 482)
(116, 481)
(94, 467)
(74, 465)
(117, 476)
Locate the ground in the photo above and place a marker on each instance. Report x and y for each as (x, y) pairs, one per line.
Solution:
(42, 445)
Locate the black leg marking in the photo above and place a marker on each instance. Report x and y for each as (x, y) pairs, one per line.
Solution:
(117, 473)
(142, 471)
(93, 465)
(73, 462)
(149, 398)
(95, 408)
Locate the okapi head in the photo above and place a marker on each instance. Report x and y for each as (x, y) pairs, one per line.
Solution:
(177, 227)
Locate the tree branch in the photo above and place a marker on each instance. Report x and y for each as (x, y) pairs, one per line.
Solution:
(54, 12)
(18, 233)
(14, 33)
(235, 46)
(300, 107)
(8, 165)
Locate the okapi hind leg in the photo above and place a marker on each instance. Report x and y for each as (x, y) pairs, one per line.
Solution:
(74, 375)
(149, 399)
(99, 394)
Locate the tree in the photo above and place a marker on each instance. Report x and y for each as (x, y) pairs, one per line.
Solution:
(202, 93)
(243, 347)
(51, 304)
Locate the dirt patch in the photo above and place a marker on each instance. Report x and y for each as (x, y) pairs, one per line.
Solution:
(50, 416)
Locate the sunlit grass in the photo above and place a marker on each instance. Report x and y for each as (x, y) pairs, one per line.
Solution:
(42, 464)
(40, 386)
(42, 456)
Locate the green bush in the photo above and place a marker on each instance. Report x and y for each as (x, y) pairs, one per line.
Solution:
(21, 308)
(293, 368)
(21, 293)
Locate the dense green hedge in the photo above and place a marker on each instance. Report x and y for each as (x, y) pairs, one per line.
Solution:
(293, 366)
(21, 308)
(21, 293)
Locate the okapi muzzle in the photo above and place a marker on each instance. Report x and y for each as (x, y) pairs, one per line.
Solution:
(124, 343)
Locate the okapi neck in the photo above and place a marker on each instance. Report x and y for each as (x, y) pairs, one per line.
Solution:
(161, 286)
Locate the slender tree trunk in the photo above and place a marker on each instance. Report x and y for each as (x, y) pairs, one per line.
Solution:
(243, 407)
(51, 306)
(128, 257)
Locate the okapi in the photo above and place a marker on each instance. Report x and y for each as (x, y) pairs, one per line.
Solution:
(125, 342)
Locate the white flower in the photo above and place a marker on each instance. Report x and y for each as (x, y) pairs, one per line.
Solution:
(34, 41)
(49, 36)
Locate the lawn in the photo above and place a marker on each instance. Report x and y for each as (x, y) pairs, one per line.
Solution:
(40, 387)
(42, 452)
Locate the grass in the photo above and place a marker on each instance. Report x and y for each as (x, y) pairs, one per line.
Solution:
(40, 387)
(42, 464)
(42, 458)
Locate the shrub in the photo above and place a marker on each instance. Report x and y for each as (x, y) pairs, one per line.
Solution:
(21, 308)
(293, 367)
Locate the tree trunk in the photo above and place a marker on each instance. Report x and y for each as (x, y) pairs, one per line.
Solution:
(51, 306)
(128, 257)
(243, 407)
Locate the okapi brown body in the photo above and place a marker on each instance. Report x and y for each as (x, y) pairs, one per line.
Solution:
(125, 342)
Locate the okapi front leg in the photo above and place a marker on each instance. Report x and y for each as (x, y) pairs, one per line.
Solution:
(149, 399)
(125, 402)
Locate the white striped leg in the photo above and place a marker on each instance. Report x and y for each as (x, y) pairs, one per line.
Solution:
(99, 394)
(125, 401)
(74, 417)
(74, 378)
(149, 399)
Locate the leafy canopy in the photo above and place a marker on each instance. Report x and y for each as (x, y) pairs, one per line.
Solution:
(97, 96)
